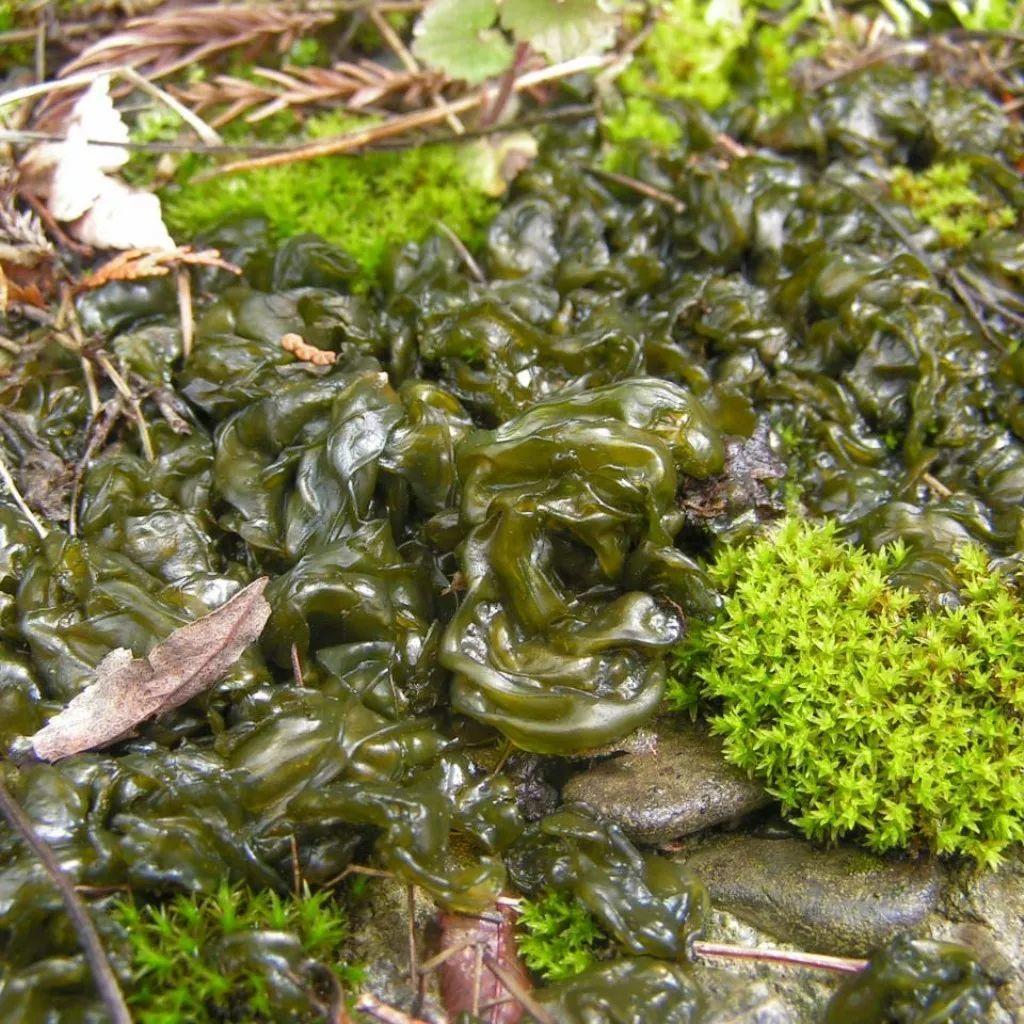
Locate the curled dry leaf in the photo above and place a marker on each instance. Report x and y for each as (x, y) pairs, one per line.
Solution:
(138, 263)
(74, 176)
(129, 690)
(467, 985)
(301, 349)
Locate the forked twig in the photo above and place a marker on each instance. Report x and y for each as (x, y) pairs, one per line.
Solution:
(528, 1003)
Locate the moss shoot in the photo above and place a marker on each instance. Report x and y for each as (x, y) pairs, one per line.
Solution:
(558, 937)
(203, 959)
(945, 197)
(864, 710)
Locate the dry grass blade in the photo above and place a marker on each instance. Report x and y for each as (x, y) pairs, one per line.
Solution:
(171, 39)
(133, 264)
(129, 690)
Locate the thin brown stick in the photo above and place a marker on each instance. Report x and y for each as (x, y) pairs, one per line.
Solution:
(133, 403)
(464, 254)
(445, 955)
(525, 1000)
(936, 485)
(90, 386)
(410, 911)
(351, 141)
(192, 119)
(640, 187)
(296, 665)
(409, 62)
(820, 961)
(296, 867)
(478, 976)
(95, 954)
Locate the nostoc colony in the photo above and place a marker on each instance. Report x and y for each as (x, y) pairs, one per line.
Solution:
(490, 518)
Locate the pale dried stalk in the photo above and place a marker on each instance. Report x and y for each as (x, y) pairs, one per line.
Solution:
(133, 403)
(392, 38)
(351, 141)
(12, 487)
(821, 961)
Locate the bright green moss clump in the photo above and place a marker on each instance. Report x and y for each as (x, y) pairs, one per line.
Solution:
(558, 937)
(204, 959)
(944, 197)
(366, 203)
(862, 709)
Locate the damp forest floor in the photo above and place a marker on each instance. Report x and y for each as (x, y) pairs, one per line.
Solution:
(512, 511)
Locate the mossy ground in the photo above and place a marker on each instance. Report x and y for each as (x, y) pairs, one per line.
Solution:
(368, 203)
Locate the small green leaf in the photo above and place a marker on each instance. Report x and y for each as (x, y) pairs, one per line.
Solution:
(460, 38)
(561, 29)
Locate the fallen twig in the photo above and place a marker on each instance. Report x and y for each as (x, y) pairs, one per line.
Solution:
(640, 187)
(821, 961)
(95, 954)
(363, 137)
(528, 1003)
(369, 1003)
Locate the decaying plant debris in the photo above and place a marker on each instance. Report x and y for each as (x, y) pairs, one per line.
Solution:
(472, 495)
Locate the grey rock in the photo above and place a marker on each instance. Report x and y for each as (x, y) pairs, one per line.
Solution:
(984, 910)
(682, 785)
(842, 901)
(737, 1002)
(797, 995)
(379, 942)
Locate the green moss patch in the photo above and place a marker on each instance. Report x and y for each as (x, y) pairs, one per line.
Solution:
(945, 197)
(366, 203)
(864, 710)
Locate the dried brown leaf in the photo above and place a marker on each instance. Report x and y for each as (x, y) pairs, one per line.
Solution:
(466, 985)
(129, 690)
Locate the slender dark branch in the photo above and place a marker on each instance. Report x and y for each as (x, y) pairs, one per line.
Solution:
(95, 954)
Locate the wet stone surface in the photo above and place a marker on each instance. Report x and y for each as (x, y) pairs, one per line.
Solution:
(985, 912)
(681, 785)
(840, 901)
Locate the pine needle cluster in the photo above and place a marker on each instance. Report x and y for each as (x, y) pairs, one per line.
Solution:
(558, 937)
(863, 709)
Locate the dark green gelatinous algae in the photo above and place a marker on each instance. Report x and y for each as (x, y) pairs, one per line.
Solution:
(492, 511)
